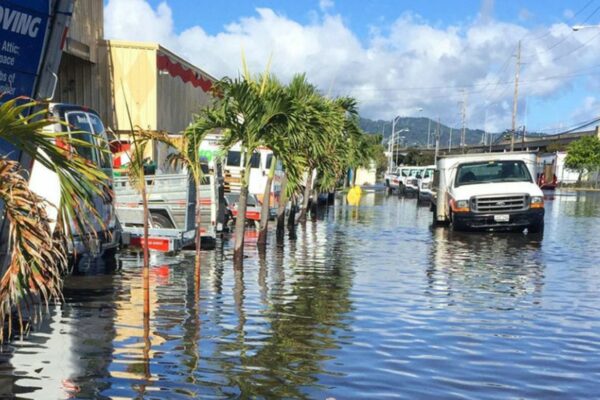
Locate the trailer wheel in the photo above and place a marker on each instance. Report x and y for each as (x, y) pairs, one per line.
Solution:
(160, 221)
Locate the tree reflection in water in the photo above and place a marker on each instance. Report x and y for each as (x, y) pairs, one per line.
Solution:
(306, 308)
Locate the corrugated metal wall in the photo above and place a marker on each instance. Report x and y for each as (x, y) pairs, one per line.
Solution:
(182, 90)
(86, 29)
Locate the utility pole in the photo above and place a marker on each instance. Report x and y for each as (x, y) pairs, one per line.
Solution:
(463, 134)
(450, 141)
(428, 131)
(392, 140)
(523, 138)
(437, 142)
(516, 98)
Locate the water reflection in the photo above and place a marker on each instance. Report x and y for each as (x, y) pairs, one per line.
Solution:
(369, 302)
(492, 271)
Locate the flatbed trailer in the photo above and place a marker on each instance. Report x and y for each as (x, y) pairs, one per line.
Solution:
(172, 207)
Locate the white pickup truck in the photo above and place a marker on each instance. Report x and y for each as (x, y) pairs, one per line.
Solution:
(425, 183)
(489, 191)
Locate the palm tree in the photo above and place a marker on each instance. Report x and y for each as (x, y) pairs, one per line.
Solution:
(324, 141)
(283, 142)
(37, 252)
(248, 111)
(187, 153)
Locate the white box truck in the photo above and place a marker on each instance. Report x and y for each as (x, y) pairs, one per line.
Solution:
(489, 191)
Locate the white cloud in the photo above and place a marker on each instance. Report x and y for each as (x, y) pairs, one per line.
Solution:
(325, 5)
(568, 13)
(589, 108)
(410, 63)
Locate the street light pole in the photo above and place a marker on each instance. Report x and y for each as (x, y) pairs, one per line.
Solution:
(393, 139)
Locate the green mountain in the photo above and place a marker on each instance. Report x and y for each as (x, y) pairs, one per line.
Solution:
(416, 135)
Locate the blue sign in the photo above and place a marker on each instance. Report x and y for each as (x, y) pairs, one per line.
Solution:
(23, 30)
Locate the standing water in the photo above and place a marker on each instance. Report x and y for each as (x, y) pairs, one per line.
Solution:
(371, 302)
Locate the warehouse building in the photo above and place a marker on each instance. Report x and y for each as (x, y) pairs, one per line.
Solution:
(128, 83)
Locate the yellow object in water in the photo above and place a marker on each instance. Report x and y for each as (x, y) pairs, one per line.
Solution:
(354, 196)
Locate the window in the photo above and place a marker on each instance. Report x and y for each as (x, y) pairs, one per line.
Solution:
(255, 160)
(234, 158)
(80, 129)
(269, 160)
(493, 171)
(102, 142)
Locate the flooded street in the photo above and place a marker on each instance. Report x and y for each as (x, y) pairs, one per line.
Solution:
(368, 303)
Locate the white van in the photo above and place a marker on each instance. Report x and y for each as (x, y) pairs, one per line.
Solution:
(259, 171)
(84, 124)
(489, 191)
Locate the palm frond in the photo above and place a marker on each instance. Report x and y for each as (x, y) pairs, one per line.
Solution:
(37, 256)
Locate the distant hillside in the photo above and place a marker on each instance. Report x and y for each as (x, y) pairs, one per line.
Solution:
(417, 131)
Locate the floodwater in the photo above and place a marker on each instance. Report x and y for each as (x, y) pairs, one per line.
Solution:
(367, 303)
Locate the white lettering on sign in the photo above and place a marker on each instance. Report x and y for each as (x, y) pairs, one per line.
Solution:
(18, 22)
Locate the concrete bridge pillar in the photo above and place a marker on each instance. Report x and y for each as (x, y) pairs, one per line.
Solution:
(598, 131)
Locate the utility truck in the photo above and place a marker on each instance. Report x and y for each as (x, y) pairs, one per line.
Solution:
(491, 191)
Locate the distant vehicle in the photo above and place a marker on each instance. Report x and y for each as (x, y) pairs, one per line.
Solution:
(253, 208)
(546, 177)
(410, 180)
(425, 193)
(85, 125)
(260, 164)
(489, 191)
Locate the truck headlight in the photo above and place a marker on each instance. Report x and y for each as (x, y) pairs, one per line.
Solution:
(537, 202)
(460, 205)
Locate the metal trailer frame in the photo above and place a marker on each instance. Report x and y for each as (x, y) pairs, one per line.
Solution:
(170, 195)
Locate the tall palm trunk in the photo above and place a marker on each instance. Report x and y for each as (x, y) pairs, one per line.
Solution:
(345, 180)
(266, 205)
(240, 222)
(198, 220)
(146, 214)
(281, 211)
(314, 204)
(292, 219)
(306, 199)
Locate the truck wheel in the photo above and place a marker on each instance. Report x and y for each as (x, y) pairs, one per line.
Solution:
(536, 228)
(161, 222)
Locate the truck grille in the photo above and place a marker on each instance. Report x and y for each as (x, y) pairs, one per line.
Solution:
(500, 204)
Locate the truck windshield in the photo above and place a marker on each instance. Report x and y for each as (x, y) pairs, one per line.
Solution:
(428, 173)
(491, 172)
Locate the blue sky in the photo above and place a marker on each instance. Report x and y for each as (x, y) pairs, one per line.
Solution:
(396, 56)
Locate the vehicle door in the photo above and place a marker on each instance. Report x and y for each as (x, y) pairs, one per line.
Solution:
(258, 177)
